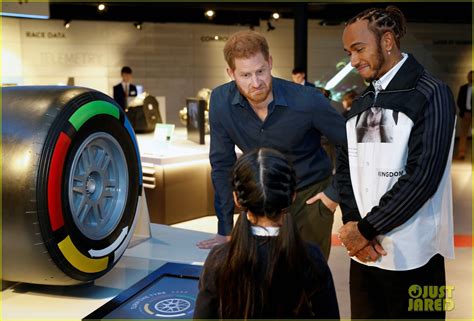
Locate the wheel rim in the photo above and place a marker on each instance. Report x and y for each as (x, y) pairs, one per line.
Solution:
(98, 186)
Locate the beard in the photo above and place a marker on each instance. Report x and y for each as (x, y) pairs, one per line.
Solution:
(256, 96)
(378, 64)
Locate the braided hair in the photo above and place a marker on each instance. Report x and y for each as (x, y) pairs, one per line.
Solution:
(264, 183)
(250, 286)
(390, 19)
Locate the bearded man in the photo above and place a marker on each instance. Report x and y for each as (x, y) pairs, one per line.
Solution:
(394, 176)
(257, 110)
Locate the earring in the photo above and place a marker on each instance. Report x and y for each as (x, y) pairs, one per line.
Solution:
(388, 52)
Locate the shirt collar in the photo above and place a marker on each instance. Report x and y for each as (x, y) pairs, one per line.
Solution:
(278, 95)
(265, 231)
(382, 83)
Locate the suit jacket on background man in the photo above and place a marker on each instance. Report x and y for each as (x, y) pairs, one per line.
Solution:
(119, 94)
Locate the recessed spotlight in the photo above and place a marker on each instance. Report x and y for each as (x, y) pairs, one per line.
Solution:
(67, 24)
(101, 7)
(210, 14)
(276, 15)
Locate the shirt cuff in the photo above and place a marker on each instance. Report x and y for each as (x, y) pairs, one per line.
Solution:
(224, 228)
(349, 215)
(332, 192)
(367, 230)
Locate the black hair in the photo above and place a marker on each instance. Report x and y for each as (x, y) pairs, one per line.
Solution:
(264, 183)
(390, 19)
(126, 70)
(298, 70)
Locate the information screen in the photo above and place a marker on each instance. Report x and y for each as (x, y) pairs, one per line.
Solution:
(168, 293)
(169, 297)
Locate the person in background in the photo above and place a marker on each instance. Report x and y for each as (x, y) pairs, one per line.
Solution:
(464, 103)
(266, 271)
(347, 99)
(394, 175)
(125, 89)
(257, 110)
(299, 77)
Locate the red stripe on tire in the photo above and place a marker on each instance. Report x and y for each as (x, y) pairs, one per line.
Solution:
(55, 176)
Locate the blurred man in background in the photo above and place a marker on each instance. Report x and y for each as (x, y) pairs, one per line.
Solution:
(125, 89)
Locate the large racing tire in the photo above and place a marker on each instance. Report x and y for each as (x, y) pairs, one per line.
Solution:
(71, 183)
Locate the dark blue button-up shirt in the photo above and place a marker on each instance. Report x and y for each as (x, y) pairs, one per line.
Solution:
(296, 119)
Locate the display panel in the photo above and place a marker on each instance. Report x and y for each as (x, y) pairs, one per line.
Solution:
(196, 121)
(168, 293)
(169, 297)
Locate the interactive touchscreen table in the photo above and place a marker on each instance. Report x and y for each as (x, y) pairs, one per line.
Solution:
(168, 293)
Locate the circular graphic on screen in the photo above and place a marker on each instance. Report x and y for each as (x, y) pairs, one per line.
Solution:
(176, 304)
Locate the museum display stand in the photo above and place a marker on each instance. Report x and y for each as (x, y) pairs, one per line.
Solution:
(176, 177)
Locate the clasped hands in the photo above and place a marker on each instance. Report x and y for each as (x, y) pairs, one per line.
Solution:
(357, 245)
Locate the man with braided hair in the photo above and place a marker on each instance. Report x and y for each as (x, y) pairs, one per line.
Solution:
(394, 176)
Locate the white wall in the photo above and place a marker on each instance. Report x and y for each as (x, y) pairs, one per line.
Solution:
(12, 67)
(171, 60)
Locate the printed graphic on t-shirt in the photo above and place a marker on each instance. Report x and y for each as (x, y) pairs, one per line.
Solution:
(376, 125)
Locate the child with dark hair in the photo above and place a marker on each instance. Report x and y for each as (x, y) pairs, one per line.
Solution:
(265, 270)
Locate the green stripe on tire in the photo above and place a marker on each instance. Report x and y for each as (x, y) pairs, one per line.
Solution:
(92, 109)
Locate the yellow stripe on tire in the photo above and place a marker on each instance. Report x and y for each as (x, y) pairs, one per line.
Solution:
(79, 260)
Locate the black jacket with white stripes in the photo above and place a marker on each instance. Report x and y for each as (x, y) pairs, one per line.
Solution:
(429, 104)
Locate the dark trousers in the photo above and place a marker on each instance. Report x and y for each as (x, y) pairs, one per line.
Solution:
(314, 222)
(385, 295)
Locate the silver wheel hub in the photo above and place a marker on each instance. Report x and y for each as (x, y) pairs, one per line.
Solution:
(98, 185)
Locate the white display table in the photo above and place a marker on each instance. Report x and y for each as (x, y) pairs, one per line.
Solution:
(180, 149)
(176, 178)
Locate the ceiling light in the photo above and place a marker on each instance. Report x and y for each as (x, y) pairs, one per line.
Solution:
(209, 14)
(101, 7)
(138, 25)
(276, 15)
(67, 24)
